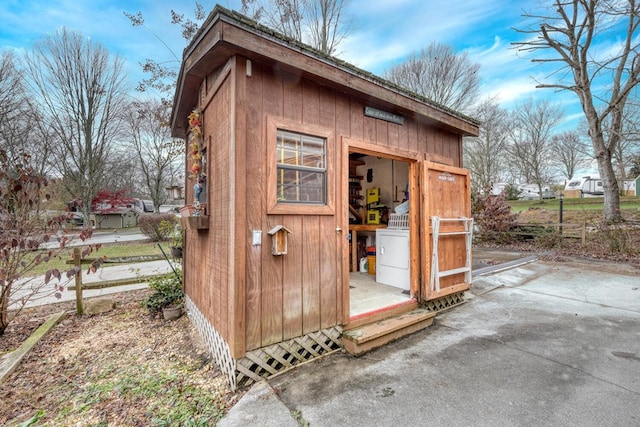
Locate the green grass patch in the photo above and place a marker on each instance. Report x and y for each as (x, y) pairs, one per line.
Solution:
(168, 397)
(585, 204)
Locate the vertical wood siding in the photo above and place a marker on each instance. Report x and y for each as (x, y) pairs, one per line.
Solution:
(301, 292)
(208, 252)
(298, 293)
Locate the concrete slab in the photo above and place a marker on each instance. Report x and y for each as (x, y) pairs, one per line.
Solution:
(541, 344)
(259, 407)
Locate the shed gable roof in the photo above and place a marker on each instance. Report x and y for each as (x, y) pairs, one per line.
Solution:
(226, 33)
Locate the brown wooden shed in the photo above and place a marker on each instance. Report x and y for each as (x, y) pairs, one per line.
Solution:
(359, 182)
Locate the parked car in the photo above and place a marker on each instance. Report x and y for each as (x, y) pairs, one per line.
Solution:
(76, 219)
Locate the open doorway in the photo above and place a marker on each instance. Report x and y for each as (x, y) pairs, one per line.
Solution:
(379, 227)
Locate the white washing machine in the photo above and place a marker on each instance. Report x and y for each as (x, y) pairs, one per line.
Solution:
(392, 258)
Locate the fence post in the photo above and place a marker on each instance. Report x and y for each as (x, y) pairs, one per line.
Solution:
(77, 263)
(584, 232)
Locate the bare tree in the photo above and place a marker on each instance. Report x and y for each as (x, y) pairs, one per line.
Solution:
(23, 193)
(530, 148)
(568, 35)
(328, 24)
(21, 127)
(124, 170)
(630, 140)
(81, 91)
(322, 24)
(634, 171)
(157, 153)
(162, 75)
(441, 75)
(569, 152)
(484, 154)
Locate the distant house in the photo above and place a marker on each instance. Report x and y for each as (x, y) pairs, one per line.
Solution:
(121, 217)
(630, 187)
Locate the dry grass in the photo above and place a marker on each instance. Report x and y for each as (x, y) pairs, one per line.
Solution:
(121, 368)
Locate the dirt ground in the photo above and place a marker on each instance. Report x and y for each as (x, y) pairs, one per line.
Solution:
(120, 368)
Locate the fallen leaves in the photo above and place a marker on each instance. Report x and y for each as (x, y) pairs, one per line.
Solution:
(121, 368)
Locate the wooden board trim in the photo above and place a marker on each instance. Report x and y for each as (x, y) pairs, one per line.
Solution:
(230, 36)
(238, 213)
(364, 147)
(460, 287)
(275, 208)
(217, 83)
(344, 221)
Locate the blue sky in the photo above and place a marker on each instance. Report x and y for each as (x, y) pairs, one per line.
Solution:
(384, 33)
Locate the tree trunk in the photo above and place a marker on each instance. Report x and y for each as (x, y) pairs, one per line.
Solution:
(4, 308)
(609, 184)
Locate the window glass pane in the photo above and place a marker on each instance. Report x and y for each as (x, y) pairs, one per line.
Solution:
(301, 168)
(313, 152)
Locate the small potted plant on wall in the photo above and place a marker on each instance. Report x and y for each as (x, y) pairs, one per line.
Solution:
(168, 295)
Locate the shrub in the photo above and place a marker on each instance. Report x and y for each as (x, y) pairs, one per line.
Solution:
(151, 225)
(493, 218)
(167, 292)
(548, 238)
(173, 231)
(511, 192)
(617, 239)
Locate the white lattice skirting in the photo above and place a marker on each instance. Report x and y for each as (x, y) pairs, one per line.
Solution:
(219, 348)
(267, 361)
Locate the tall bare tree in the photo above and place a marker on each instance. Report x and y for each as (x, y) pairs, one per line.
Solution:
(328, 24)
(484, 154)
(569, 152)
(441, 75)
(322, 24)
(158, 155)
(530, 148)
(568, 34)
(81, 91)
(21, 127)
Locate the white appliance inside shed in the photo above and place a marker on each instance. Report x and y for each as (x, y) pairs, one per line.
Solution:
(392, 258)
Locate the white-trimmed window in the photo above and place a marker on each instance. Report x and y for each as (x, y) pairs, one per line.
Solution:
(302, 168)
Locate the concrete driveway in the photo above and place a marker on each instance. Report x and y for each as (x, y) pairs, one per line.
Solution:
(540, 344)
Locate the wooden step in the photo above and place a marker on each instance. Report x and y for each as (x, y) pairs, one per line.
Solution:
(377, 315)
(365, 338)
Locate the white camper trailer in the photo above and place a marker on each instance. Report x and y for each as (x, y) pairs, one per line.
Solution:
(584, 187)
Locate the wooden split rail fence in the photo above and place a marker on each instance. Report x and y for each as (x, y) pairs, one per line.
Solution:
(564, 230)
(78, 286)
